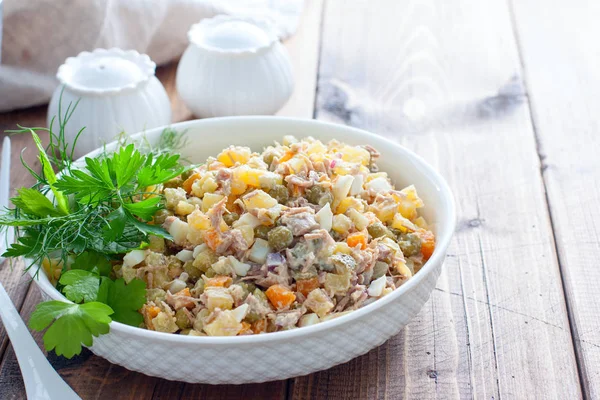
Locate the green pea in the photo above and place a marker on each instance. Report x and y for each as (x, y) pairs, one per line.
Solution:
(314, 193)
(231, 218)
(262, 232)
(280, 238)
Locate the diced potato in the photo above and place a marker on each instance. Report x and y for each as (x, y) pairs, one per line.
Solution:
(403, 269)
(325, 217)
(308, 319)
(225, 324)
(209, 200)
(238, 186)
(247, 234)
(164, 322)
(173, 196)
(421, 223)
(337, 284)
(349, 202)
(341, 223)
(184, 208)
(222, 266)
(269, 179)
(198, 220)
(379, 185)
(129, 273)
(234, 154)
(259, 251)
(356, 154)
(403, 224)
(247, 219)
(179, 230)
(258, 199)
(218, 297)
(341, 247)
(297, 164)
(319, 302)
(358, 219)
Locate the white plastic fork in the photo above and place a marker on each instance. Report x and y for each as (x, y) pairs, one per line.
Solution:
(42, 382)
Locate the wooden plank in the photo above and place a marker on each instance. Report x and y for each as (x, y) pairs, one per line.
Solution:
(435, 79)
(561, 63)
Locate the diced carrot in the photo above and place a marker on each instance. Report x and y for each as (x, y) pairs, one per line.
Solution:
(246, 329)
(184, 292)
(427, 243)
(211, 238)
(187, 184)
(358, 238)
(305, 286)
(280, 296)
(219, 281)
(152, 311)
(259, 326)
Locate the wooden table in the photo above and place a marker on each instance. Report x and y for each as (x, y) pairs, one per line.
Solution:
(501, 97)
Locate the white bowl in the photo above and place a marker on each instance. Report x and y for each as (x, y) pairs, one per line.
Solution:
(281, 355)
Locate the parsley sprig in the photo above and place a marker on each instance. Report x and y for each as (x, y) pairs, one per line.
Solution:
(83, 220)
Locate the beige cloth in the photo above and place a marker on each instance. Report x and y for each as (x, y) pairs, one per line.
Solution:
(39, 34)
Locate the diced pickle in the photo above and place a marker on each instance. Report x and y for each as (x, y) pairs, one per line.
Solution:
(173, 183)
(377, 230)
(410, 244)
(280, 193)
(182, 320)
(380, 269)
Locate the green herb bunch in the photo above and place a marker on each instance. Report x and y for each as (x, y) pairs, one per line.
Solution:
(81, 222)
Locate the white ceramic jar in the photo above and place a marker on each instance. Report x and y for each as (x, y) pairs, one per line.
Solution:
(117, 92)
(234, 66)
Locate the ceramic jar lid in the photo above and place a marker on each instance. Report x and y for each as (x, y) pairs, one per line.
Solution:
(233, 35)
(106, 71)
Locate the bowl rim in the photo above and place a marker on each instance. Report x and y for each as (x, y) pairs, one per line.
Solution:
(448, 223)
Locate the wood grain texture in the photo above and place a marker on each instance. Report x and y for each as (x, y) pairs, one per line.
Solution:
(437, 79)
(559, 50)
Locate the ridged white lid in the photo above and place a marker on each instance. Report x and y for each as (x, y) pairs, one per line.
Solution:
(106, 72)
(233, 34)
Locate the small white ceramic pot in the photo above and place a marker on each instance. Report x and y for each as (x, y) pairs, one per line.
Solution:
(117, 92)
(234, 66)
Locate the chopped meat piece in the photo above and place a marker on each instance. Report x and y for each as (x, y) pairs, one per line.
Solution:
(300, 220)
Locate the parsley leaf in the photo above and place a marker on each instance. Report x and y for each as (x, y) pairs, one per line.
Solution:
(144, 209)
(34, 202)
(89, 260)
(80, 285)
(126, 300)
(74, 324)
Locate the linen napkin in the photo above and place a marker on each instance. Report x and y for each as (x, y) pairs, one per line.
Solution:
(39, 34)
